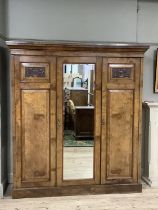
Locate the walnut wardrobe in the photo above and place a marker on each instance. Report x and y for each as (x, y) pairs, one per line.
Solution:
(65, 147)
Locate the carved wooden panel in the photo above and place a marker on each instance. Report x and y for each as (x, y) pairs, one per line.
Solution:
(121, 72)
(35, 136)
(35, 72)
(120, 134)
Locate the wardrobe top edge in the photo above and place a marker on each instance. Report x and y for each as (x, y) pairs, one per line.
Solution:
(72, 45)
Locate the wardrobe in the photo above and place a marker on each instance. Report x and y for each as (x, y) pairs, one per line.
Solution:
(43, 165)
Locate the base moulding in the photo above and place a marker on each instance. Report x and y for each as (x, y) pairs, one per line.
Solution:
(76, 190)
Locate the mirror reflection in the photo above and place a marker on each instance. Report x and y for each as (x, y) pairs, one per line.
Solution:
(78, 111)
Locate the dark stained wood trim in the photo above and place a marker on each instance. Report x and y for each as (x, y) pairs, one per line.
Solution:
(77, 46)
(76, 190)
(45, 52)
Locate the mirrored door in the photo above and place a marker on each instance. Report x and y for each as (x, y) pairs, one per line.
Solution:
(78, 120)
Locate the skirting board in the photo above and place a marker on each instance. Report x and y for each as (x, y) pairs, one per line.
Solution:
(76, 190)
(152, 182)
(146, 180)
(3, 186)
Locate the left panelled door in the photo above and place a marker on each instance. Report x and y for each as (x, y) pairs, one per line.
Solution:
(35, 121)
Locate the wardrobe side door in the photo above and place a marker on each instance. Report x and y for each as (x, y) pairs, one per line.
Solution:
(35, 121)
(120, 120)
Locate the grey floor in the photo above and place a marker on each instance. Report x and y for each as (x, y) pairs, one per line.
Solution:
(147, 200)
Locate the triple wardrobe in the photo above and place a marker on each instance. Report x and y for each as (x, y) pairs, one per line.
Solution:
(76, 116)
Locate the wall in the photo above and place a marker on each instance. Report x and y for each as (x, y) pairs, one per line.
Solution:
(3, 116)
(148, 32)
(149, 74)
(3, 99)
(147, 21)
(105, 20)
(3, 18)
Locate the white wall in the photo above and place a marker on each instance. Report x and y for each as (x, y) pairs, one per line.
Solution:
(101, 20)
(148, 32)
(148, 21)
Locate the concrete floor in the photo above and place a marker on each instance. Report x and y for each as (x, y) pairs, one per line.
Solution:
(147, 200)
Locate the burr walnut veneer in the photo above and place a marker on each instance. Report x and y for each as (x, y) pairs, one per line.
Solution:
(37, 107)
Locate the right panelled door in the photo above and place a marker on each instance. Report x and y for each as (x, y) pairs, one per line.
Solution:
(120, 120)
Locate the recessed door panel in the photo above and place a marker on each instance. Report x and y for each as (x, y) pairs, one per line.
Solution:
(119, 133)
(35, 136)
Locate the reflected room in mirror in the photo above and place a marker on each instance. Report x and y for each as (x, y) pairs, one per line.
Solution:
(78, 111)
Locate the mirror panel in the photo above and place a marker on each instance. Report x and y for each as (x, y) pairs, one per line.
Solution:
(78, 115)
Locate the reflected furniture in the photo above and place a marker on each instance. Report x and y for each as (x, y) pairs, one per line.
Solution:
(84, 122)
(79, 96)
(37, 113)
(71, 114)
